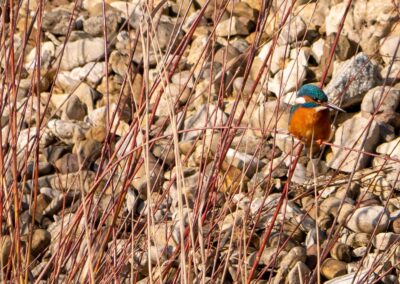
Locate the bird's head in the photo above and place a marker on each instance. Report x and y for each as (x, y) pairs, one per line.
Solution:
(312, 96)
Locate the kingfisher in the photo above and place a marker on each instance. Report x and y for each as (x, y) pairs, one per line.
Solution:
(309, 119)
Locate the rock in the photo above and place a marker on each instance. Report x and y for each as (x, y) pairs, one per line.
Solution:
(346, 135)
(98, 117)
(354, 277)
(92, 72)
(87, 150)
(332, 268)
(345, 212)
(313, 14)
(366, 19)
(95, 25)
(269, 114)
(344, 48)
(62, 224)
(360, 251)
(396, 225)
(317, 50)
(59, 202)
(269, 254)
(155, 177)
(384, 241)
(390, 279)
(56, 151)
(68, 132)
(57, 21)
(290, 78)
(228, 54)
(363, 75)
(242, 9)
(279, 54)
(47, 52)
(388, 47)
(313, 238)
(341, 252)
(295, 255)
(300, 174)
(312, 256)
(64, 182)
(27, 138)
(286, 143)
(244, 88)
(320, 167)
(289, 261)
(97, 133)
(119, 62)
(42, 270)
(391, 72)
(293, 30)
(44, 168)
(165, 32)
(278, 168)
(356, 240)
(173, 95)
(390, 100)
(80, 52)
(207, 116)
(233, 26)
(67, 164)
(125, 145)
(301, 55)
(391, 148)
(162, 234)
(366, 219)
(132, 200)
(40, 241)
(5, 249)
(330, 205)
(293, 230)
(183, 78)
(298, 274)
(74, 109)
(244, 162)
(86, 94)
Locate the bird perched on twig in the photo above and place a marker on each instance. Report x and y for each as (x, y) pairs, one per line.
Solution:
(309, 119)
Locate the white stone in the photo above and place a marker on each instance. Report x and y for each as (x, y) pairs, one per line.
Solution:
(91, 72)
(47, 52)
(293, 30)
(353, 278)
(80, 52)
(388, 48)
(208, 116)
(366, 219)
(383, 241)
(232, 26)
(279, 54)
(350, 134)
(317, 50)
(67, 131)
(391, 148)
(290, 79)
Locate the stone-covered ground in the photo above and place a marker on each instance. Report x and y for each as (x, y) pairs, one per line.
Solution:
(147, 141)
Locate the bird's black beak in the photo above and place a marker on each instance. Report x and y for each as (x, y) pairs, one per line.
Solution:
(334, 107)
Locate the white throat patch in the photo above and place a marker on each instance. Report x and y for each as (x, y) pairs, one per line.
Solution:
(320, 108)
(300, 100)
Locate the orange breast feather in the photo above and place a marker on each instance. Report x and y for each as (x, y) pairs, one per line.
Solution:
(305, 121)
